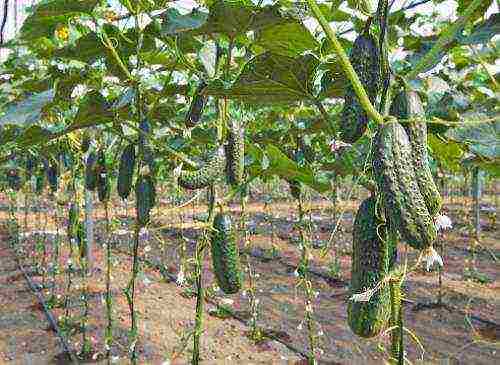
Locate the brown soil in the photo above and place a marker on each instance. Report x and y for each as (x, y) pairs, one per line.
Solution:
(462, 331)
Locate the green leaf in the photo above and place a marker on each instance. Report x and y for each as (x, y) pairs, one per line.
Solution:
(28, 111)
(93, 110)
(481, 139)
(272, 78)
(483, 31)
(174, 22)
(448, 153)
(334, 81)
(236, 17)
(47, 15)
(288, 39)
(463, 4)
(277, 163)
(34, 135)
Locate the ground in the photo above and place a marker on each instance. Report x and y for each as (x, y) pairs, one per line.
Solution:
(463, 331)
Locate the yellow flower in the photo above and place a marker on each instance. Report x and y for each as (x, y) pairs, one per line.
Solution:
(62, 32)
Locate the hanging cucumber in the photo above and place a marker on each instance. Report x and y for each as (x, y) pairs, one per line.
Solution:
(145, 197)
(103, 185)
(397, 185)
(91, 171)
(225, 256)
(235, 154)
(126, 171)
(365, 58)
(406, 105)
(205, 175)
(373, 257)
(196, 108)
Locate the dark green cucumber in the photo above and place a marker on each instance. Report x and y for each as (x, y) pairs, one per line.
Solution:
(196, 108)
(91, 171)
(81, 238)
(126, 171)
(40, 182)
(295, 188)
(365, 58)
(73, 218)
(103, 185)
(397, 185)
(225, 256)
(373, 257)
(205, 175)
(146, 152)
(235, 154)
(53, 177)
(145, 197)
(406, 105)
(86, 142)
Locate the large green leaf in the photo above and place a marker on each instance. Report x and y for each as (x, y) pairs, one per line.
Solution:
(482, 139)
(235, 17)
(448, 153)
(47, 15)
(27, 111)
(463, 4)
(174, 22)
(93, 110)
(483, 31)
(270, 161)
(288, 39)
(273, 78)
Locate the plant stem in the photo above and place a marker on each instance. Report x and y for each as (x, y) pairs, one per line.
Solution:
(109, 303)
(394, 323)
(200, 293)
(446, 36)
(304, 266)
(346, 64)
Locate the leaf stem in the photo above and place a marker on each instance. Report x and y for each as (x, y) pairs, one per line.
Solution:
(346, 64)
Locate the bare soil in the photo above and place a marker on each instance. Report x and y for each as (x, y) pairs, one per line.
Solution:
(464, 329)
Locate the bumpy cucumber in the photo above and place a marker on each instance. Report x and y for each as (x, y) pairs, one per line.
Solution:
(373, 256)
(196, 108)
(204, 176)
(40, 182)
(295, 188)
(81, 238)
(225, 256)
(73, 217)
(103, 185)
(397, 185)
(365, 58)
(91, 171)
(235, 154)
(407, 104)
(126, 171)
(53, 177)
(145, 198)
